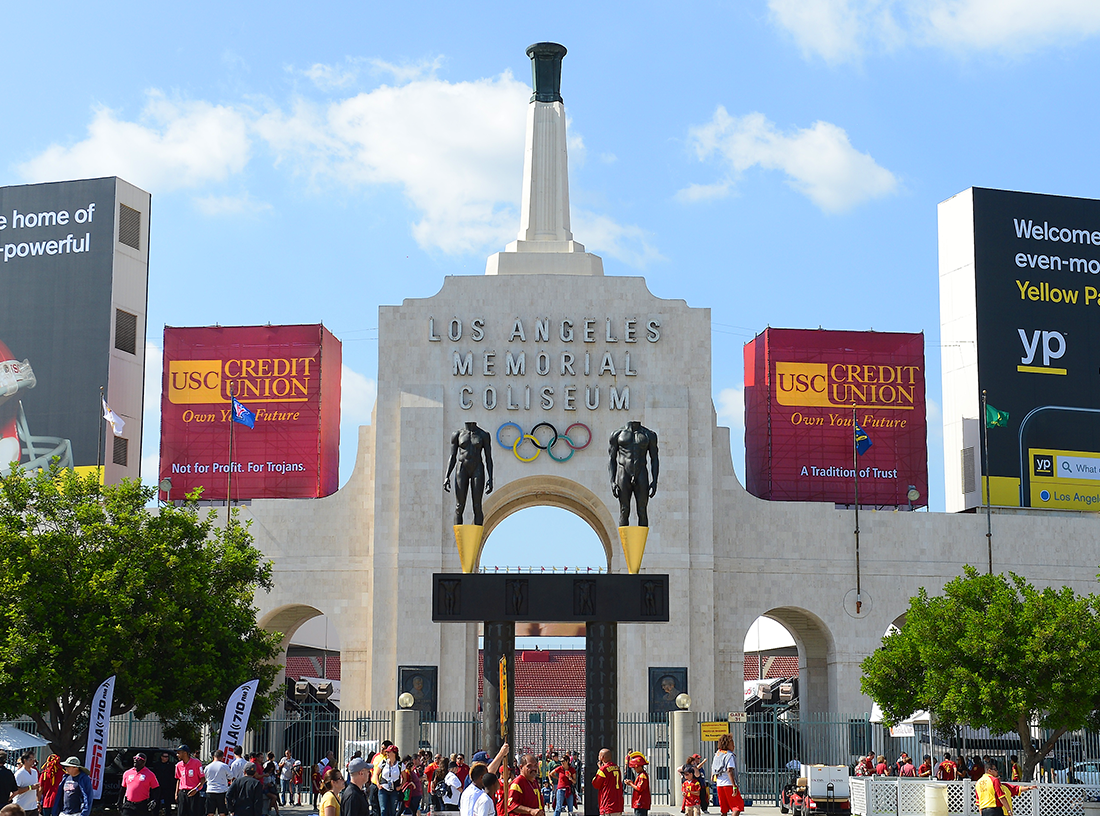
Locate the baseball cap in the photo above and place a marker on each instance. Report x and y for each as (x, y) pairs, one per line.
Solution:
(184, 747)
(356, 765)
(480, 756)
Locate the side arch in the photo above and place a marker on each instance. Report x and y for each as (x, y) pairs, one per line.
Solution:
(816, 655)
(550, 491)
(287, 619)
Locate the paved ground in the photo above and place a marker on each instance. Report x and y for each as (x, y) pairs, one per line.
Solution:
(758, 809)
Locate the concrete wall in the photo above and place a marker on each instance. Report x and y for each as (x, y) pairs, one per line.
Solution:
(364, 556)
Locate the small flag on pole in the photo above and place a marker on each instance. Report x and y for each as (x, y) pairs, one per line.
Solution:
(243, 415)
(863, 441)
(114, 420)
(995, 418)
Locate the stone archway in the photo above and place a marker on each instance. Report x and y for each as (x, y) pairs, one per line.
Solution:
(816, 654)
(551, 491)
(286, 619)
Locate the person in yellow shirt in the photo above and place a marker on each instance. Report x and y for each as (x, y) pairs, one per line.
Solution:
(988, 790)
(377, 761)
(1008, 790)
(993, 794)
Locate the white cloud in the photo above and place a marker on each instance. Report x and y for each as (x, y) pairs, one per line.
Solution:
(244, 204)
(704, 192)
(150, 427)
(934, 418)
(844, 30)
(818, 161)
(328, 77)
(765, 634)
(408, 71)
(605, 236)
(357, 396)
(455, 150)
(174, 144)
(730, 407)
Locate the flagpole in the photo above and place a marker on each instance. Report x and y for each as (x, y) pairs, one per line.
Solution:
(99, 445)
(229, 484)
(855, 468)
(988, 511)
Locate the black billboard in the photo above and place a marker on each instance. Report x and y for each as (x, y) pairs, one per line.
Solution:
(56, 254)
(1037, 297)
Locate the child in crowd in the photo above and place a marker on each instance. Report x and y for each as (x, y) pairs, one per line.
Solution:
(691, 796)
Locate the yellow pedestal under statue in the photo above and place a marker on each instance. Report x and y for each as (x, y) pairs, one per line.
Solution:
(468, 539)
(633, 540)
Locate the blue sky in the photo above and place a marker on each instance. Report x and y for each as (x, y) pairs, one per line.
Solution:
(779, 161)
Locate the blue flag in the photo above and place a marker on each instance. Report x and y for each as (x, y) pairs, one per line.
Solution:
(863, 441)
(243, 415)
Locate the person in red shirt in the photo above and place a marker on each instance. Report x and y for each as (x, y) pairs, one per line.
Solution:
(429, 777)
(946, 769)
(640, 798)
(608, 781)
(564, 789)
(461, 769)
(691, 789)
(524, 798)
(925, 768)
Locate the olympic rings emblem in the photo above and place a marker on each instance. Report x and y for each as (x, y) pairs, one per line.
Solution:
(540, 445)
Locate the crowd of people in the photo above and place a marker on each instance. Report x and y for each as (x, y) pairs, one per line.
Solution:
(947, 769)
(994, 794)
(382, 783)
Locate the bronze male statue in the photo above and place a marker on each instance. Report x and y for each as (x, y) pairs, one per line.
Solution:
(629, 476)
(468, 447)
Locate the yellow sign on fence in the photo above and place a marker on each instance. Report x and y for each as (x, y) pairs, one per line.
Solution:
(711, 731)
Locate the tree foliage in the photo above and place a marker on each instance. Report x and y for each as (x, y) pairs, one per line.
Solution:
(96, 583)
(993, 652)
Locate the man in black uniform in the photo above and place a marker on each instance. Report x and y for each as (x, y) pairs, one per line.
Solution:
(8, 785)
(629, 477)
(165, 772)
(353, 799)
(246, 794)
(468, 446)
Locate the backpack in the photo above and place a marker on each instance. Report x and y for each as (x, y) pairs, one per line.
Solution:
(441, 789)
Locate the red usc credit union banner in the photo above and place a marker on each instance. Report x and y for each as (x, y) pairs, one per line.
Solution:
(288, 376)
(800, 389)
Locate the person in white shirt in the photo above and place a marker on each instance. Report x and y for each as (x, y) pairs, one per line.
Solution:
(26, 777)
(286, 776)
(217, 783)
(454, 789)
(485, 805)
(236, 768)
(475, 791)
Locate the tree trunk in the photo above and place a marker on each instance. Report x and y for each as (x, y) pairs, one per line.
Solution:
(1029, 757)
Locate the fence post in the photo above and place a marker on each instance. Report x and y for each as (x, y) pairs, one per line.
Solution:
(406, 729)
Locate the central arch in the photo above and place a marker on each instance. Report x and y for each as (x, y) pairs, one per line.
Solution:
(550, 491)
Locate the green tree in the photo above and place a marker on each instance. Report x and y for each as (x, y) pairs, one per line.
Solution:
(96, 583)
(993, 652)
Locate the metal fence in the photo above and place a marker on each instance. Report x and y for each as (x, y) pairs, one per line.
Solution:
(770, 745)
(913, 797)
